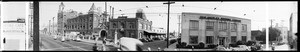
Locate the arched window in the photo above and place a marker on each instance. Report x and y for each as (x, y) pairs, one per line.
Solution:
(131, 25)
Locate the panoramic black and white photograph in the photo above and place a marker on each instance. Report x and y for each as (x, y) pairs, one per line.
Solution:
(149, 26)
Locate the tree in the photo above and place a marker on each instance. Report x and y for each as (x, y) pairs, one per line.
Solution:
(273, 33)
(261, 37)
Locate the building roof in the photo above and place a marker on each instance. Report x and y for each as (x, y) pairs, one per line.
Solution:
(93, 8)
(221, 16)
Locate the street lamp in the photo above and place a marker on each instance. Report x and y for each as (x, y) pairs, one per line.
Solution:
(169, 2)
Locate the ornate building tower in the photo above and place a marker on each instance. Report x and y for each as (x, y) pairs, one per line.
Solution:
(99, 22)
(60, 19)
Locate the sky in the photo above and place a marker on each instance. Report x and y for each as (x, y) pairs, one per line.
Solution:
(13, 10)
(280, 12)
(156, 12)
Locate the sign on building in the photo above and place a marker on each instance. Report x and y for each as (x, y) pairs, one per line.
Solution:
(14, 35)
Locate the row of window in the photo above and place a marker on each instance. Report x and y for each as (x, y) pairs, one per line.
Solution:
(223, 26)
(144, 26)
(81, 26)
(76, 20)
(157, 30)
(210, 39)
(123, 25)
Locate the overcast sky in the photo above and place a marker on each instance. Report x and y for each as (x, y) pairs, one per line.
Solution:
(13, 10)
(157, 12)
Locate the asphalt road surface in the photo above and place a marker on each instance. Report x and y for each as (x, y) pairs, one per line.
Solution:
(154, 45)
(49, 44)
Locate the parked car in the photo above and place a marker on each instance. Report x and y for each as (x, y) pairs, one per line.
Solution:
(55, 37)
(63, 39)
(143, 40)
(77, 39)
(149, 40)
(155, 38)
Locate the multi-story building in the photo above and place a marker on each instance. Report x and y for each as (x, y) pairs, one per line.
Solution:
(92, 24)
(62, 17)
(214, 29)
(283, 33)
(135, 27)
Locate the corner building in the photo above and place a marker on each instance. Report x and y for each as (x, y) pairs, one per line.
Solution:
(214, 29)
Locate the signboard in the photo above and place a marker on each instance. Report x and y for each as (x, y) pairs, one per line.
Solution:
(14, 35)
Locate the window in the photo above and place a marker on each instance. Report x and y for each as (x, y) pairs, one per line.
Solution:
(244, 38)
(91, 26)
(115, 25)
(123, 24)
(131, 25)
(233, 27)
(194, 25)
(146, 27)
(193, 40)
(209, 25)
(140, 25)
(244, 27)
(143, 26)
(209, 39)
(150, 27)
(222, 26)
(233, 39)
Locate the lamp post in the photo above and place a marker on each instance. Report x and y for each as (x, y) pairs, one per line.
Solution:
(168, 21)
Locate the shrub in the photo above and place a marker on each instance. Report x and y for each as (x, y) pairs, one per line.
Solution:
(233, 45)
(211, 46)
(201, 45)
(250, 43)
(241, 43)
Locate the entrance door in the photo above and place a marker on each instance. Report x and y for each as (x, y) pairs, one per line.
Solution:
(221, 40)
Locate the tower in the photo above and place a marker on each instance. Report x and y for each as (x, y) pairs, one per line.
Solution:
(60, 19)
(93, 9)
(61, 7)
(140, 14)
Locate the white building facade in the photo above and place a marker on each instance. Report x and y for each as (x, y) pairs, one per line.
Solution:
(213, 29)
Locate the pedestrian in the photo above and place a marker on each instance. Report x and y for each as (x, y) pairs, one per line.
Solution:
(103, 46)
(95, 47)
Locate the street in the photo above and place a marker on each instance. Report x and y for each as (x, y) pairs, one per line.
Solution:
(49, 44)
(154, 45)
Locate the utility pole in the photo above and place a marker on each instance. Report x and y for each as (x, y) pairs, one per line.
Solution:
(49, 27)
(53, 26)
(272, 21)
(178, 25)
(36, 38)
(168, 36)
(112, 13)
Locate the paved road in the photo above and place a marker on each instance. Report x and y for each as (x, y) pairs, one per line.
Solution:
(49, 44)
(154, 45)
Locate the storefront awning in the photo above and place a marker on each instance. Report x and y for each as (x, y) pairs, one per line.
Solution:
(153, 33)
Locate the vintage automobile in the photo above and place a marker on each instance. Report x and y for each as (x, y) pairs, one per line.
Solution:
(55, 37)
(63, 39)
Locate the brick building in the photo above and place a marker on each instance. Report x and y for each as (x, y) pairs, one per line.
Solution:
(135, 27)
(92, 24)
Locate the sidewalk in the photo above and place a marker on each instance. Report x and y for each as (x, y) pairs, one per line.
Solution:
(172, 47)
(99, 42)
